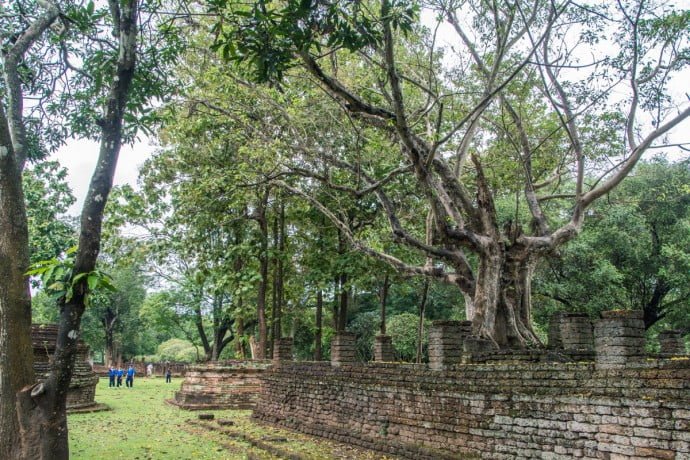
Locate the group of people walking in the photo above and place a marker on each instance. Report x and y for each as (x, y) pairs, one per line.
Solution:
(115, 375)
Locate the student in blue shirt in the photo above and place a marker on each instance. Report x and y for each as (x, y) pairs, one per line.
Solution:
(111, 376)
(129, 381)
(120, 373)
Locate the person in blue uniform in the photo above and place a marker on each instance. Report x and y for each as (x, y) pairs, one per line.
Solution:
(168, 375)
(111, 376)
(129, 381)
(120, 373)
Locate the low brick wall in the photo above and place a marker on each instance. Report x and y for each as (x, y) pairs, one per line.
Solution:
(221, 385)
(592, 394)
(497, 411)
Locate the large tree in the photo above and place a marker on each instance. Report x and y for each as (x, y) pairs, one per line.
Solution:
(81, 81)
(530, 101)
(16, 357)
(42, 407)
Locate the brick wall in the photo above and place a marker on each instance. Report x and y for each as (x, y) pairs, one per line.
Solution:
(497, 411)
(221, 385)
(82, 387)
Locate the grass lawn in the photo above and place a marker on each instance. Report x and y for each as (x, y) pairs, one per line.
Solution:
(141, 426)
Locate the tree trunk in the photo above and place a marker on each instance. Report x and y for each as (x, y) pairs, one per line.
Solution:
(278, 273)
(652, 308)
(221, 338)
(503, 297)
(263, 272)
(109, 326)
(199, 323)
(16, 355)
(319, 326)
(239, 346)
(253, 347)
(384, 300)
(342, 308)
(336, 302)
(420, 325)
(42, 407)
(469, 306)
(280, 282)
(272, 332)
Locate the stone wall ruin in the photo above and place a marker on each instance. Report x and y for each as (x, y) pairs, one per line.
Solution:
(498, 405)
(82, 388)
(221, 385)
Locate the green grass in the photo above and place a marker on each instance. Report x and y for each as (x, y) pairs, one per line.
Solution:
(141, 426)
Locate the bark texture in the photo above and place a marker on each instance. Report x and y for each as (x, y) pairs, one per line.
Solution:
(42, 407)
(16, 355)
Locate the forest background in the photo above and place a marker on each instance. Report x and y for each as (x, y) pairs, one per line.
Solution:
(330, 167)
(185, 281)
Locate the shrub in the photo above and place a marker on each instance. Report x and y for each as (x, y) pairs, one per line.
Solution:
(177, 350)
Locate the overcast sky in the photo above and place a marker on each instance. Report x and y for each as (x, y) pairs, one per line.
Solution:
(79, 157)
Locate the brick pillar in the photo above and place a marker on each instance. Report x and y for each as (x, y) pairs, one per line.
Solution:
(342, 349)
(445, 343)
(554, 335)
(619, 338)
(672, 342)
(383, 348)
(476, 347)
(571, 332)
(282, 349)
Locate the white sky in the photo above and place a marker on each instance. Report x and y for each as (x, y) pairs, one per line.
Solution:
(79, 157)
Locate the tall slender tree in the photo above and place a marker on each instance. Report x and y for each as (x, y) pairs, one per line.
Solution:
(16, 357)
(42, 407)
(92, 99)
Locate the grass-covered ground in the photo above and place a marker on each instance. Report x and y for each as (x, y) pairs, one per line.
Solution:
(141, 426)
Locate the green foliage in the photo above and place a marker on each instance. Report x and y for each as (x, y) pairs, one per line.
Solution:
(48, 197)
(43, 309)
(403, 330)
(365, 326)
(59, 281)
(118, 311)
(266, 36)
(177, 350)
(632, 254)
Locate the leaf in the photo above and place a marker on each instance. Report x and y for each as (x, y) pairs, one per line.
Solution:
(57, 286)
(106, 282)
(93, 280)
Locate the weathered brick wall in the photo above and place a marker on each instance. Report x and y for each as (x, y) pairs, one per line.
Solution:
(497, 411)
(82, 387)
(221, 385)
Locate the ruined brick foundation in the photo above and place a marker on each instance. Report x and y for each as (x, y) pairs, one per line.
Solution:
(82, 388)
(622, 405)
(221, 385)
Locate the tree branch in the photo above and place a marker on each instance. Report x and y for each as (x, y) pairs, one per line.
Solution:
(12, 59)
